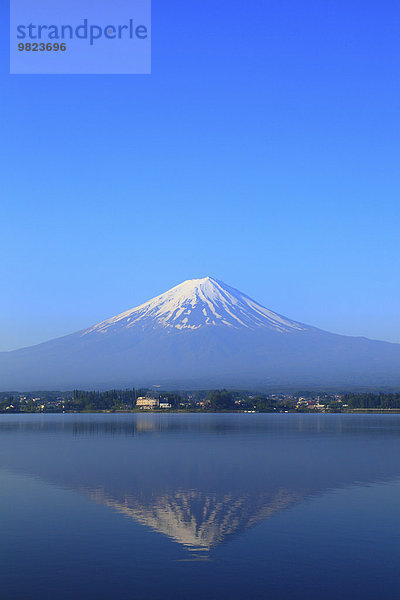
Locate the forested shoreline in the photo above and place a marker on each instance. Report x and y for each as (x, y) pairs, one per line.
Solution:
(195, 401)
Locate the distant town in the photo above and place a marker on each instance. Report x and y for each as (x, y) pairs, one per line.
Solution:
(141, 400)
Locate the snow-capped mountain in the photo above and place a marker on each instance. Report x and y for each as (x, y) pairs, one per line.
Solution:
(198, 303)
(202, 333)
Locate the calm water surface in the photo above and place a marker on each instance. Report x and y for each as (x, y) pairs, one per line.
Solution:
(199, 506)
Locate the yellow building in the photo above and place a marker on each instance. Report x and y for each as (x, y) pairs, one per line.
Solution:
(147, 403)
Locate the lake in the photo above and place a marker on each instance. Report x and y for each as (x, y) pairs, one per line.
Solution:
(190, 506)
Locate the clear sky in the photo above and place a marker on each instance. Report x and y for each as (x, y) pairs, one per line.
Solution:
(264, 150)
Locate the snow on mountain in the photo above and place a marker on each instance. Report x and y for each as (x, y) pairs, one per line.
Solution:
(197, 303)
(201, 333)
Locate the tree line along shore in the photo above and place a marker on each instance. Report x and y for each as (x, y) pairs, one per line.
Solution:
(139, 400)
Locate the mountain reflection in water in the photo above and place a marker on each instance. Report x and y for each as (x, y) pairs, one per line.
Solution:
(197, 520)
(201, 479)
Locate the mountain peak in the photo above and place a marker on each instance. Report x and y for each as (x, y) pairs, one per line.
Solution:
(197, 303)
(203, 334)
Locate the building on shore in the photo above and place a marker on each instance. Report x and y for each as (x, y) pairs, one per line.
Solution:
(165, 405)
(145, 403)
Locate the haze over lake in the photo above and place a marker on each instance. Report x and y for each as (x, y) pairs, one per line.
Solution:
(199, 506)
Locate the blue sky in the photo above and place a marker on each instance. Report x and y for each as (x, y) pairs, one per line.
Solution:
(263, 150)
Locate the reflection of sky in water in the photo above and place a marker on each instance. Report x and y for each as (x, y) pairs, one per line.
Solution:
(201, 480)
